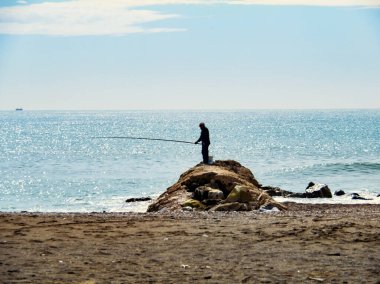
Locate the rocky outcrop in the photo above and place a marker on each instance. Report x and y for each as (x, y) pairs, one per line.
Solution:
(222, 186)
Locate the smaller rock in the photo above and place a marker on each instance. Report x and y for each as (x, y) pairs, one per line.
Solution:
(339, 192)
(356, 196)
(378, 195)
(193, 204)
(138, 199)
(275, 191)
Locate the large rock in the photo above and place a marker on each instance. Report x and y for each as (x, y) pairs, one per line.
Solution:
(318, 190)
(217, 187)
(242, 194)
(314, 190)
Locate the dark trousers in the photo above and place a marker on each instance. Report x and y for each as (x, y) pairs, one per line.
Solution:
(205, 153)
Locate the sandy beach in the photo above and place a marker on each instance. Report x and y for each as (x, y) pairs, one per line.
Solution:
(306, 244)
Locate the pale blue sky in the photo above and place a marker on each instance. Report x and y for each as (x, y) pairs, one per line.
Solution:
(192, 55)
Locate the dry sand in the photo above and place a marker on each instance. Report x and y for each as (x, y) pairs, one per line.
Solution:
(306, 244)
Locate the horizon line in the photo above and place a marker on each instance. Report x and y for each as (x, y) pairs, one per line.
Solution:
(194, 109)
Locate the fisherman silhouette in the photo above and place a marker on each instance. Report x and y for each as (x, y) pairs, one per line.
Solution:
(205, 138)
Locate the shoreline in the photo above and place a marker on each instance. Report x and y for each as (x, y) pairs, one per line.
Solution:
(142, 206)
(307, 243)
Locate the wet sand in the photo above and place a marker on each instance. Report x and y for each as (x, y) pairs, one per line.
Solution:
(306, 244)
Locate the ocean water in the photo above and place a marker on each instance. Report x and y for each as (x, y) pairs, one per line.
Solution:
(51, 162)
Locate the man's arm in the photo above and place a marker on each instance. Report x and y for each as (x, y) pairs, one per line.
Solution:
(200, 138)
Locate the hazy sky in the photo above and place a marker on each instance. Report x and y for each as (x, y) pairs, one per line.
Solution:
(172, 54)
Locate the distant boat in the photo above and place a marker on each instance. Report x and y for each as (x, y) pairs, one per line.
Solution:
(19, 109)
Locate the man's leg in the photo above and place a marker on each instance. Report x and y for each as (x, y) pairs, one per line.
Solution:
(205, 154)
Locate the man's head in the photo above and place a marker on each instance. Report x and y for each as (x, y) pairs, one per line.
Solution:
(202, 125)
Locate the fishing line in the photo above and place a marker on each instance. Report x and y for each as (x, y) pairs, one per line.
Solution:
(142, 138)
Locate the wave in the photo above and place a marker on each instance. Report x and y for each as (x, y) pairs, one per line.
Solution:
(359, 167)
(354, 167)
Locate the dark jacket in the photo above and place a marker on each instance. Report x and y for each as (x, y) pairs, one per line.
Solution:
(205, 137)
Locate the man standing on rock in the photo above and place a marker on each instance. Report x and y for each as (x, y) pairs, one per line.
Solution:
(205, 138)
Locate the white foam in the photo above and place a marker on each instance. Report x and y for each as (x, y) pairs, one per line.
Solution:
(371, 198)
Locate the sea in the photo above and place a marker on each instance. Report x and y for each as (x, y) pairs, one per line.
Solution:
(54, 161)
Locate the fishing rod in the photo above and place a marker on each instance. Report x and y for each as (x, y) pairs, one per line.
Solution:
(142, 138)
